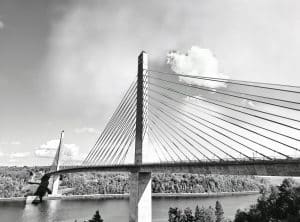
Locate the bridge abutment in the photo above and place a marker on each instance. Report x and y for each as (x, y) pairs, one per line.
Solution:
(140, 200)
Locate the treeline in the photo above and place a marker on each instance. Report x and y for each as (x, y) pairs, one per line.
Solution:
(202, 214)
(197, 183)
(96, 183)
(280, 203)
(91, 183)
(14, 180)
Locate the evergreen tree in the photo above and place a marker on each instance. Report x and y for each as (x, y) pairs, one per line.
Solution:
(174, 214)
(189, 214)
(209, 215)
(182, 217)
(96, 217)
(219, 212)
(202, 216)
(197, 214)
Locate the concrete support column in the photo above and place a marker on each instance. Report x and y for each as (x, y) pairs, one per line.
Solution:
(55, 185)
(140, 200)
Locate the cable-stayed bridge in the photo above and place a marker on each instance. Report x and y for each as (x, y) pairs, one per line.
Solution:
(190, 123)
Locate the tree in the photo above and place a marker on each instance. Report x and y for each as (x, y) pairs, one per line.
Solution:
(241, 216)
(219, 212)
(96, 217)
(197, 214)
(189, 214)
(281, 204)
(173, 214)
(209, 215)
(203, 215)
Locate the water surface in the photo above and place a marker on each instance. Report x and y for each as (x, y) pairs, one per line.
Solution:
(111, 210)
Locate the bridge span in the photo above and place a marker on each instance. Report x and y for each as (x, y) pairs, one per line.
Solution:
(277, 167)
(193, 124)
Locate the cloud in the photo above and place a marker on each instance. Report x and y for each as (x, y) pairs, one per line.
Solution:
(48, 150)
(196, 62)
(86, 130)
(19, 154)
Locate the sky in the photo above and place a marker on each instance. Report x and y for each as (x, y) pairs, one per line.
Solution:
(64, 65)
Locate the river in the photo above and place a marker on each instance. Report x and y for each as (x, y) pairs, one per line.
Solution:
(111, 210)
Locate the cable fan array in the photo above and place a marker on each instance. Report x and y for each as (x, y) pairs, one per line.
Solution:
(114, 142)
(117, 139)
(187, 118)
(191, 120)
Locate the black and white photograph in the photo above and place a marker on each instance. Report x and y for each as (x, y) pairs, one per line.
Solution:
(149, 111)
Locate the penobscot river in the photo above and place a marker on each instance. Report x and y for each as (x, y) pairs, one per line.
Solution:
(111, 210)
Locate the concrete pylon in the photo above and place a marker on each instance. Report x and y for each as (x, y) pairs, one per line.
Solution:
(140, 199)
(56, 166)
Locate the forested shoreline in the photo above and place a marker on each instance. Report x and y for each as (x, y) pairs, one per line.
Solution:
(14, 182)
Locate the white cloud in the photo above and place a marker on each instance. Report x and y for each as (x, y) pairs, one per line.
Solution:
(86, 130)
(196, 62)
(19, 154)
(48, 150)
(43, 152)
(70, 150)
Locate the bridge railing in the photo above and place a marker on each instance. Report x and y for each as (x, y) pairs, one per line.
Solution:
(213, 161)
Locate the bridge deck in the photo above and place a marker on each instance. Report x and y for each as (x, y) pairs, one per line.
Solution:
(278, 167)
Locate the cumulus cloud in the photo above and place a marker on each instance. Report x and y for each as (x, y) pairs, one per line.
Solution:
(19, 154)
(48, 150)
(196, 62)
(86, 130)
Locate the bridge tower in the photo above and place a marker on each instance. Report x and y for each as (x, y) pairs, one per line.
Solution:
(56, 166)
(140, 200)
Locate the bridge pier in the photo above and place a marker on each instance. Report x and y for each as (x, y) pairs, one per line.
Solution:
(55, 185)
(140, 200)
